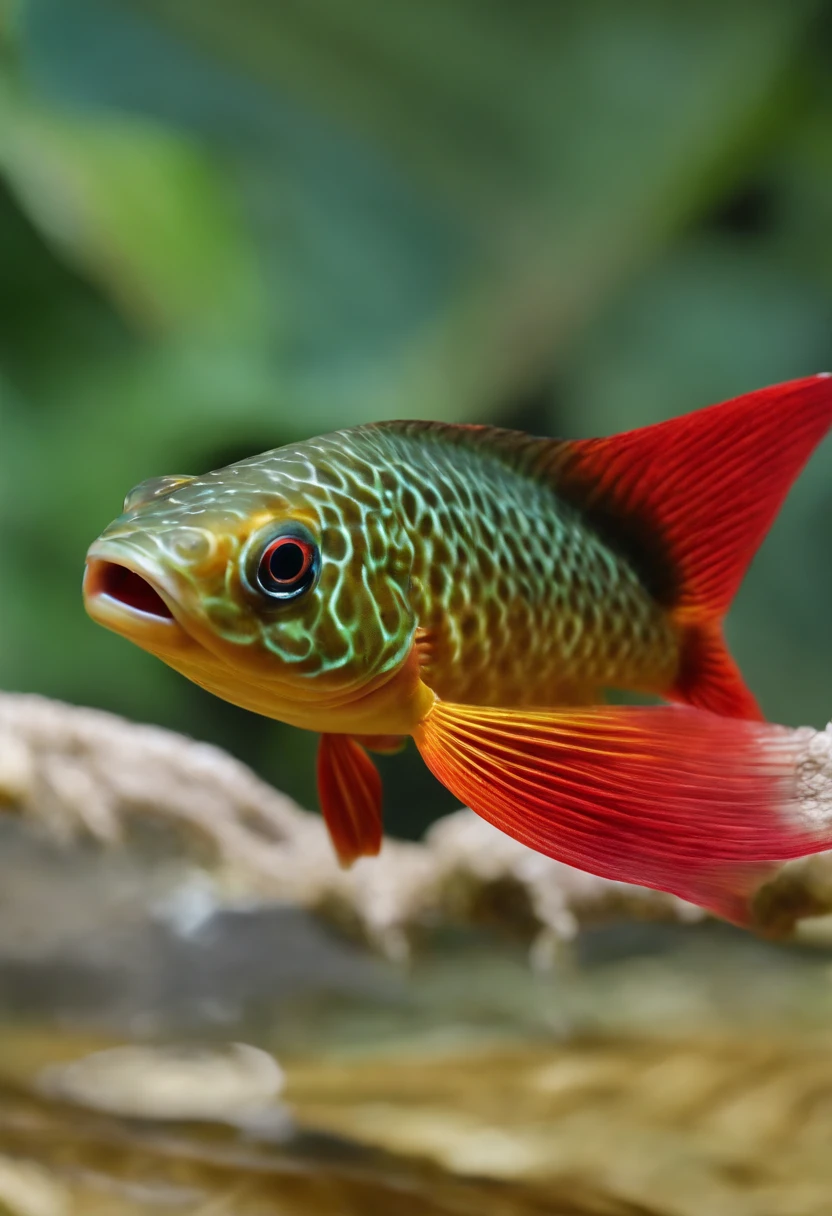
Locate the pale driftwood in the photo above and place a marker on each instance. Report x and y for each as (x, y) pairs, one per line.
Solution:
(84, 773)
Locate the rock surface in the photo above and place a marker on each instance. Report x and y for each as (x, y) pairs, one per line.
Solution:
(82, 773)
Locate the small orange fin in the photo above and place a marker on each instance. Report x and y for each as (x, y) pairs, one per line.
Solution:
(665, 796)
(349, 788)
(689, 502)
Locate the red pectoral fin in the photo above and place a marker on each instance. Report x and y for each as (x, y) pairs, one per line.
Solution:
(667, 797)
(349, 787)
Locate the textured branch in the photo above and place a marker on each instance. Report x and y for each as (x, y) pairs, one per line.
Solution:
(81, 773)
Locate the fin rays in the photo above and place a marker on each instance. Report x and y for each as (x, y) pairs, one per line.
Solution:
(666, 796)
(349, 788)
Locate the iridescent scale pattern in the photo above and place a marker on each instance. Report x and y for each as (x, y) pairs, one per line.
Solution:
(442, 536)
(519, 602)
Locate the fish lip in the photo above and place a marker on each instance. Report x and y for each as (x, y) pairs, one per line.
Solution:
(145, 628)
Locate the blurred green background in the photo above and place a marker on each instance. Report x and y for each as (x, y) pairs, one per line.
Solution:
(227, 226)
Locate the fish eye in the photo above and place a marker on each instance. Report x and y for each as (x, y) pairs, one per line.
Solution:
(288, 566)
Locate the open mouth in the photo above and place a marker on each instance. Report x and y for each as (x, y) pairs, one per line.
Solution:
(130, 589)
(116, 583)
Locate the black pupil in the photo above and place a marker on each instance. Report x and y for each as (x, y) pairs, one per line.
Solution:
(286, 562)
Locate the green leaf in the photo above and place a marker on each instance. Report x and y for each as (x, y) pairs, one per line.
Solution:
(445, 192)
(140, 210)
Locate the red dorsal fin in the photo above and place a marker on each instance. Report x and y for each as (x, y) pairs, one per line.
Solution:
(690, 500)
(687, 502)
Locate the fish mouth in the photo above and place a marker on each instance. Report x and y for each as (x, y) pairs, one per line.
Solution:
(128, 589)
(119, 595)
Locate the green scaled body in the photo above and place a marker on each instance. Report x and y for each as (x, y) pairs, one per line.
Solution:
(447, 535)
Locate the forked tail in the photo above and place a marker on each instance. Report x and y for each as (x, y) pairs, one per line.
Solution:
(705, 489)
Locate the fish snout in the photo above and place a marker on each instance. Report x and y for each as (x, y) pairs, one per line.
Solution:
(122, 596)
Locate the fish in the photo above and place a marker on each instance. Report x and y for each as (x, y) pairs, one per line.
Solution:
(484, 592)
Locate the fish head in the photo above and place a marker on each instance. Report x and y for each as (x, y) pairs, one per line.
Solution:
(280, 583)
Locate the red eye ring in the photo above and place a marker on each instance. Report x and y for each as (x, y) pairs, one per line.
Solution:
(287, 567)
(287, 560)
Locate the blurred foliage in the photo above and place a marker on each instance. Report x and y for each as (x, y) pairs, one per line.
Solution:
(223, 227)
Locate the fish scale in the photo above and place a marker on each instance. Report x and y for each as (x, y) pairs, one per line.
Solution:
(515, 564)
(473, 569)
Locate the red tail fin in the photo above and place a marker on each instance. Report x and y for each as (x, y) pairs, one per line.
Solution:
(665, 796)
(703, 490)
